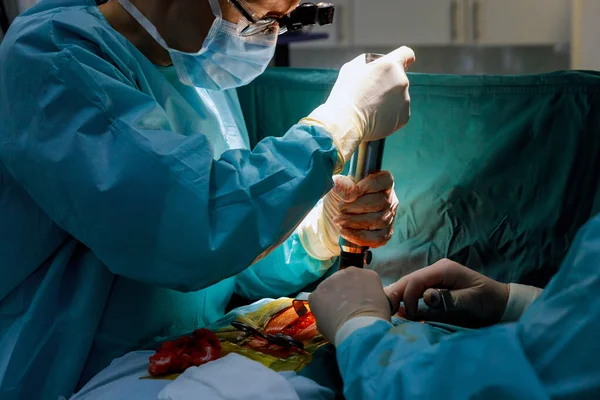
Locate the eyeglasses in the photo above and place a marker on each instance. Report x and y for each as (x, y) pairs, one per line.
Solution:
(256, 25)
(306, 14)
(278, 339)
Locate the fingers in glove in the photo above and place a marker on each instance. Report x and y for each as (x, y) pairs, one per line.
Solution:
(368, 222)
(458, 318)
(444, 274)
(376, 182)
(345, 189)
(373, 239)
(426, 314)
(405, 56)
(369, 203)
(458, 313)
(429, 314)
(444, 299)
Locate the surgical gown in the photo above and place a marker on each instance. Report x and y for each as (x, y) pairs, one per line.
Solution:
(121, 221)
(550, 353)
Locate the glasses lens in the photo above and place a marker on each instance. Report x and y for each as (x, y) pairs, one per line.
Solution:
(262, 26)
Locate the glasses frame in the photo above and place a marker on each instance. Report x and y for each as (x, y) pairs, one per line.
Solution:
(306, 14)
(256, 26)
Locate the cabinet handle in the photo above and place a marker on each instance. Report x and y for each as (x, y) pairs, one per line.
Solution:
(340, 27)
(476, 20)
(453, 20)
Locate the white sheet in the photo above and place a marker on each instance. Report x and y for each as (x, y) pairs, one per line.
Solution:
(121, 380)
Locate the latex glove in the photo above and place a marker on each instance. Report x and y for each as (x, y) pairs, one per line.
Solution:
(348, 294)
(362, 213)
(475, 300)
(368, 102)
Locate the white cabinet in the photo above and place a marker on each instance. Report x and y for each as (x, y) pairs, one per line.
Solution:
(519, 22)
(410, 22)
(389, 23)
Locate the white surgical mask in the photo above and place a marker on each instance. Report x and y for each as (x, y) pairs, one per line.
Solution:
(226, 60)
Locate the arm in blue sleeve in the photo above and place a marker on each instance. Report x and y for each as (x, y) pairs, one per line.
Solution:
(286, 270)
(101, 158)
(549, 353)
(408, 362)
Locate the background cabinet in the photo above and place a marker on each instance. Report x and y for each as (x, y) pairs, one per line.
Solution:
(411, 22)
(520, 22)
(383, 23)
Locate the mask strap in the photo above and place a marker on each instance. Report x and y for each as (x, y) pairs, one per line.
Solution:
(145, 22)
(216, 8)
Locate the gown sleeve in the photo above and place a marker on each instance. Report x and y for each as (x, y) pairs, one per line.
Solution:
(101, 158)
(285, 271)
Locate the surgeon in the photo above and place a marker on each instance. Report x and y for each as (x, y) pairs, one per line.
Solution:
(131, 206)
(537, 344)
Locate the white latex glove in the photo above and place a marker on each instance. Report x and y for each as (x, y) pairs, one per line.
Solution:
(348, 294)
(362, 213)
(368, 102)
(474, 299)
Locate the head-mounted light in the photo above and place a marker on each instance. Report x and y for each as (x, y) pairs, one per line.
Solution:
(306, 14)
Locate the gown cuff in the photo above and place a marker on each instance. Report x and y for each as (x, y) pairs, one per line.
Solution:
(520, 297)
(352, 325)
(311, 235)
(344, 147)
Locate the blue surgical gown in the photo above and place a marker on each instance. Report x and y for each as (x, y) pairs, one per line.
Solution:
(118, 224)
(550, 353)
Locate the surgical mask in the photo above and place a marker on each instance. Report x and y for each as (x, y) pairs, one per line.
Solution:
(226, 60)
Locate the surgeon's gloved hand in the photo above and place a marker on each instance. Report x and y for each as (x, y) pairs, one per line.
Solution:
(348, 294)
(368, 102)
(473, 300)
(362, 213)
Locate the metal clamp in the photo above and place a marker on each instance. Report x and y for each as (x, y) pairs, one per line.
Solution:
(300, 304)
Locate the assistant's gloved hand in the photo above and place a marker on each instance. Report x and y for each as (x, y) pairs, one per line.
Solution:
(348, 294)
(474, 300)
(362, 213)
(368, 102)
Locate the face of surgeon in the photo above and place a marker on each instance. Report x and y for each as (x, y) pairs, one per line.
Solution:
(183, 24)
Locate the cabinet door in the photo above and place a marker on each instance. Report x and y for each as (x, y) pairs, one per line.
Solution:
(410, 22)
(520, 22)
(586, 32)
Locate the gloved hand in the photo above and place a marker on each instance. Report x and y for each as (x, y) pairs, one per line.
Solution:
(474, 300)
(348, 294)
(362, 213)
(368, 102)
